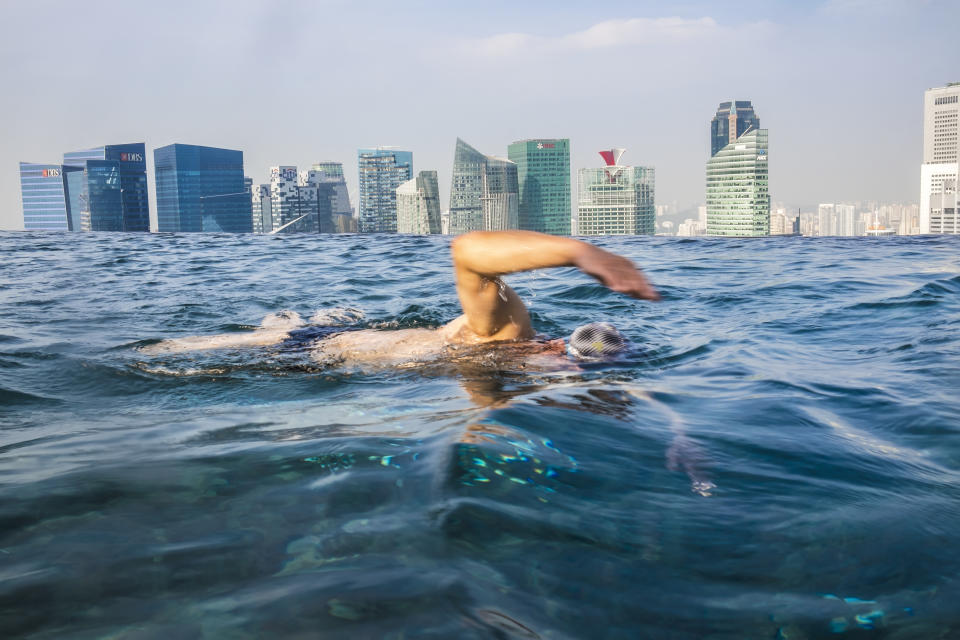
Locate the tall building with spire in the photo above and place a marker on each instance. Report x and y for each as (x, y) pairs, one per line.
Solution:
(940, 171)
(738, 196)
(616, 199)
(484, 192)
(733, 119)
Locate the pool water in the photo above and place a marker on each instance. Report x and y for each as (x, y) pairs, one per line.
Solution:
(777, 458)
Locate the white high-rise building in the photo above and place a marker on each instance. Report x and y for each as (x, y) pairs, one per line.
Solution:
(617, 199)
(418, 205)
(941, 160)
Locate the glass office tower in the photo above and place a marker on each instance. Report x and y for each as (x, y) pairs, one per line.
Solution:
(111, 193)
(543, 173)
(382, 170)
(418, 205)
(738, 198)
(616, 199)
(201, 189)
(43, 188)
(733, 119)
(484, 192)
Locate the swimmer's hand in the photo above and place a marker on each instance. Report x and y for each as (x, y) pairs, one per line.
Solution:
(615, 272)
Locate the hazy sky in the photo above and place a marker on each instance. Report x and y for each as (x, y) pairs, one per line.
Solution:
(839, 83)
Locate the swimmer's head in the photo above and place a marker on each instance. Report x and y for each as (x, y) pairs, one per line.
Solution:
(596, 341)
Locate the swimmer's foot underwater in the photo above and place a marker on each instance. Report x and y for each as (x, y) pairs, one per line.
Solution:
(492, 312)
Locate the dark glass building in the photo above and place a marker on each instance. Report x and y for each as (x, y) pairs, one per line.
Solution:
(43, 188)
(201, 189)
(733, 119)
(109, 192)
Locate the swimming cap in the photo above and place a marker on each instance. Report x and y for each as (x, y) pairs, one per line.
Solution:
(596, 340)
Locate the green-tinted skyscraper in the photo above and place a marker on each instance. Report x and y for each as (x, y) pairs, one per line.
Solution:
(738, 196)
(543, 171)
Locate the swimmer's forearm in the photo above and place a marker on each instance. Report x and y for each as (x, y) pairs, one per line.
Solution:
(497, 253)
(489, 254)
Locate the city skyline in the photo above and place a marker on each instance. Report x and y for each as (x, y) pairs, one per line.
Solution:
(869, 68)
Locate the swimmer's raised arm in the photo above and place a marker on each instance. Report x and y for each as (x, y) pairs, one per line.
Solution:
(496, 312)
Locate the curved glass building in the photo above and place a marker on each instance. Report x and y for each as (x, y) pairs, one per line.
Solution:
(484, 192)
(738, 197)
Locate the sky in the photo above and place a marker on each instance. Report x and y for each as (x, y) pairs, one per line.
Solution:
(838, 83)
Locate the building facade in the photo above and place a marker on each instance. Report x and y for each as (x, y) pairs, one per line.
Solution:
(201, 189)
(616, 199)
(733, 119)
(107, 188)
(940, 171)
(738, 196)
(43, 190)
(418, 205)
(382, 170)
(543, 175)
(836, 219)
(329, 176)
(484, 192)
(261, 209)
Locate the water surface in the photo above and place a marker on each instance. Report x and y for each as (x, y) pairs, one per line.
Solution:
(778, 460)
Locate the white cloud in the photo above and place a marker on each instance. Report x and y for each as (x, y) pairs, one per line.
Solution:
(632, 32)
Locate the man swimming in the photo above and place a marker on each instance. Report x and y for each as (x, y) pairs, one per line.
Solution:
(492, 311)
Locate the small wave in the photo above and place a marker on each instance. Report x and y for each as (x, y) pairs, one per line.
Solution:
(11, 397)
(336, 316)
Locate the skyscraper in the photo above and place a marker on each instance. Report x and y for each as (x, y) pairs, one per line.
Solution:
(43, 188)
(939, 173)
(616, 199)
(543, 174)
(108, 188)
(381, 172)
(331, 173)
(733, 119)
(261, 210)
(484, 193)
(418, 204)
(201, 189)
(738, 198)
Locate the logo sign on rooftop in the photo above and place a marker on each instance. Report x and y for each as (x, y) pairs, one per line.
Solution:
(546, 145)
(51, 173)
(131, 157)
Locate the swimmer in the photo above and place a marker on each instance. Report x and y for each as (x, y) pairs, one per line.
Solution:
(492, 311)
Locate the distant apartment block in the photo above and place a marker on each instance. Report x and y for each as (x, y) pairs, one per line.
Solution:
(616, 199)
(836, 219)
(738, 198)
(418, 205)
(382, 170)
(543, 175)
(201, 189)
(484, 192)
(940, 171)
